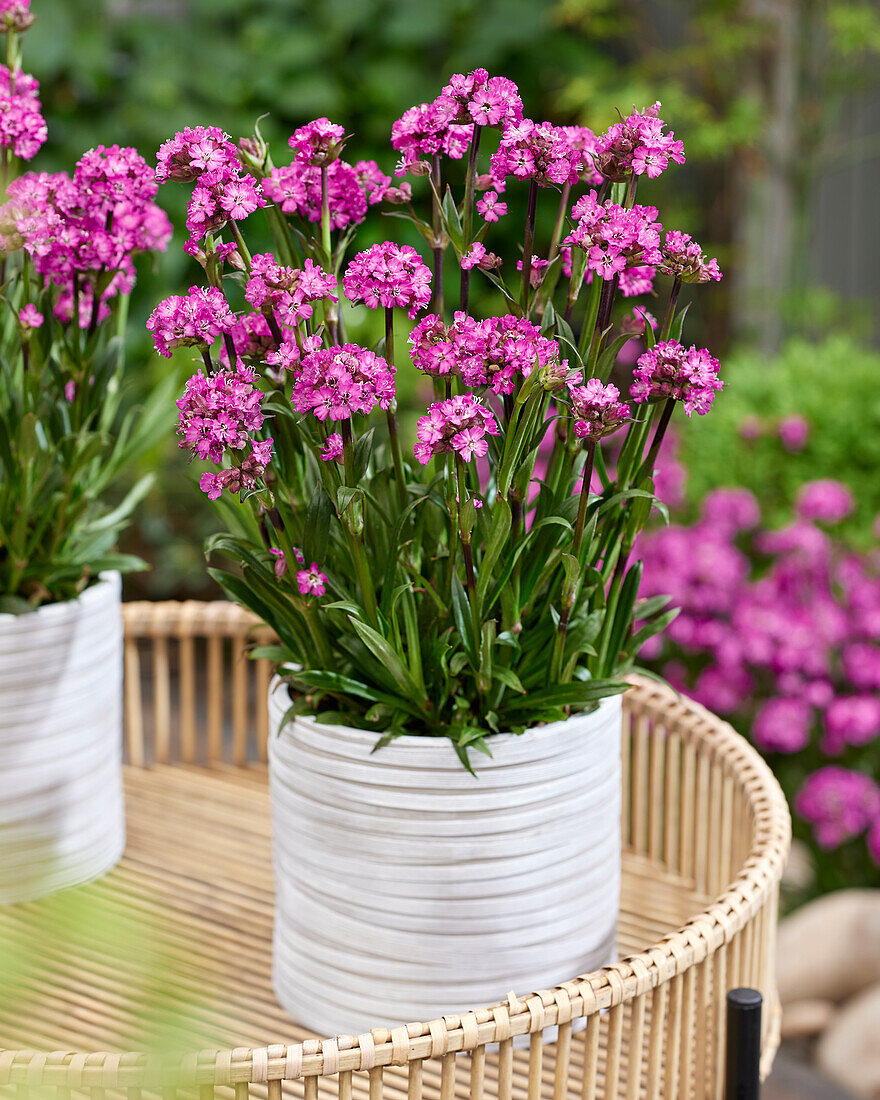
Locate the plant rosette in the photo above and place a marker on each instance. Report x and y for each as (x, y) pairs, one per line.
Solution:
(61, 804)
(452, 605)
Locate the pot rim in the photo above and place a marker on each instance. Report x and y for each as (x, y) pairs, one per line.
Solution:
(109, 582)
(533, 735)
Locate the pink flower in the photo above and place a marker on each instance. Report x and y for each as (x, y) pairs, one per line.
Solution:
(296, 188)
(458, 425)
(220, 412)
(637, 145)
(840, 804)
(311, 582)
(683, 259)
(69, 391)
(730, 510)
(489, 208)
(194, 151)
(30, 316)
(290, 291)
(686, 375)
(22, 129)
(540, 152)
(318, 142)
(783, 725)
(794, 432)
(851, 720)
(389, 275)
(585, 142)
(335, 383)
(190, 320)
(597, 411)
(280, 562)
(473, 256)
(826, 500)
(616, 239)
(333, 447)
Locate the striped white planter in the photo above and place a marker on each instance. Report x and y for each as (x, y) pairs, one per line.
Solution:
(408, 889)
(61, 807)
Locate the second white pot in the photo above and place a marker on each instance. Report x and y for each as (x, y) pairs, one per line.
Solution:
(61, 804)
(408, 889)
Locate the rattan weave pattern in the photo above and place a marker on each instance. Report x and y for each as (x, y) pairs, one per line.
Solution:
(703, 819)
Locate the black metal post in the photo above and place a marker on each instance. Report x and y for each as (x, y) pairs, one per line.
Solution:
(742, 1079)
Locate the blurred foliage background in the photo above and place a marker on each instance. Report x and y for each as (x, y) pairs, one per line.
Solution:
(777, 102)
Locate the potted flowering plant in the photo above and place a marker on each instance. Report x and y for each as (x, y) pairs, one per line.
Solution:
(68, 245)
(454, 615)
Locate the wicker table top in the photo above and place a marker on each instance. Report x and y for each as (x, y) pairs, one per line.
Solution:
(173, 948)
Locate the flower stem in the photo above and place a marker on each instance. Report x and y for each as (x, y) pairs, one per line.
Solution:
(662, 424)
(326, 244)
(355, 530)
(569, 593)
(437, 248)
(468, 213)
(560, 221)
(589, 325)
(243, 249)
(206, 356)
(391, 414)
(670, 310)
(528, 245)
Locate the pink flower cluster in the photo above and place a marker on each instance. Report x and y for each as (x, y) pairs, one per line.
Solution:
(223, 191)
(597, 410)
(318, 143)
(669, 370)
(615, 238)
(446, 125)
(289, 291)
(389, 275)
(87, 230)
(825, 500)
(351, 190)
(494, 352)
(584, 141)
(784, 640)
(194, 319)
(218, 415)
(22, 128)
(841, 804)
(637, 145)
(15, 15)
(311, 581)
(683, 259)
(335, 383)
(536, 151)
(457, 426)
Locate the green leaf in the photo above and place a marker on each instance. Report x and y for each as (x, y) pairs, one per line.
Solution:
(316, 534)
(449, 213)
(461, 610)
(392, 661)
(498, 535)
(568, 695)
(509, 678)
(678, 323)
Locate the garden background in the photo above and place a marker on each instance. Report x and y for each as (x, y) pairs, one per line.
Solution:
(779, 105)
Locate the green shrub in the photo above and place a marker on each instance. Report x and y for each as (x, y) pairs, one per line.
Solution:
(834, 386)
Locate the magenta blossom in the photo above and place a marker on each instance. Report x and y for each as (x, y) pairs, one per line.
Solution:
(638, 146)
(389, 275)
(459, 425)
(195, 319)
(335, 383)
(318, 143)
(311, 582)
(669, 370)
(840, 804)
(783, 725)
(826, 500)
(615, 238)
(851, 720)
(30, 316)
(219, 412)
(794, 432)
(597, 410)
(682, 258)
(536, 151)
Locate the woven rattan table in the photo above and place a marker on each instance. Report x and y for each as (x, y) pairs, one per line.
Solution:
(171, 952)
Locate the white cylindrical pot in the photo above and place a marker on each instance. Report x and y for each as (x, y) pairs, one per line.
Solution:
(408, 889)
(61, 803)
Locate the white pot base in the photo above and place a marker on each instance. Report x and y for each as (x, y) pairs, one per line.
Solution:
(406, 889)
